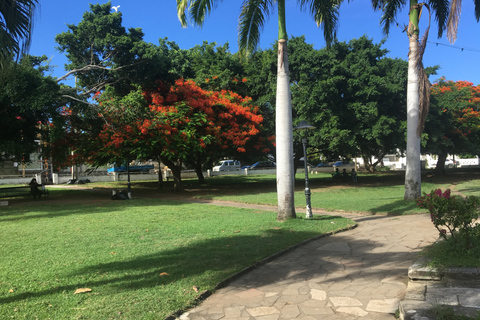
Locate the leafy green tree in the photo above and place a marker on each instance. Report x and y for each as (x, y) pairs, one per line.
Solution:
(28, 100)
(101, 52)
(418, 88)
(352, 93)
(453, 124)
(16, 22)
(252, 18)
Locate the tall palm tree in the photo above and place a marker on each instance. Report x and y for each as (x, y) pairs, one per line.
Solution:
(16, 22)
(252, 18)
(418, 88)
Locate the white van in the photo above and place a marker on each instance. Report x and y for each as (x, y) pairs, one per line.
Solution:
(227, 165)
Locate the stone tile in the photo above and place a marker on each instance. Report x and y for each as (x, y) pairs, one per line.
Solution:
(335, 247)
(290, 312)
(294, 299)
(385, 306)
(313, 304)
(345, 302)
(342, 293)
(470, 298)
(269, 317)
(235, 312)
(316, 311)
(215, 310)
(263, 311)
(318, 294)
(356, 311)
(290, 292)
(249, 293)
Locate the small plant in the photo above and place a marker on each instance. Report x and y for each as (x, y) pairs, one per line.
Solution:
(453, 214)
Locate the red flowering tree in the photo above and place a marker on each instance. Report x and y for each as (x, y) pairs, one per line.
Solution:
(453, 123)
(178, 124)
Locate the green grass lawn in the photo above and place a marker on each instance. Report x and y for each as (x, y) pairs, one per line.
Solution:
(140, 258)
(375, 193)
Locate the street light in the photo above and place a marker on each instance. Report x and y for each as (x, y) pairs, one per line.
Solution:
(304, 125)
(128, 150)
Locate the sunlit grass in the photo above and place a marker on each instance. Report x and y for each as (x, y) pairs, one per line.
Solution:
(140, 258)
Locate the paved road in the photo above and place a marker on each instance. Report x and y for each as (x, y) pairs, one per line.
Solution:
(357, 274)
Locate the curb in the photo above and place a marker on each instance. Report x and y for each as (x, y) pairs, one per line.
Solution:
(429, 287)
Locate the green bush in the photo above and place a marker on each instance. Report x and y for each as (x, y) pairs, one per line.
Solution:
(456, 214)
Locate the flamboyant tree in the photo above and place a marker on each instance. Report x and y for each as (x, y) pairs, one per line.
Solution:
(252, 18)
(176, 124)
(453, 125)
(208, 122)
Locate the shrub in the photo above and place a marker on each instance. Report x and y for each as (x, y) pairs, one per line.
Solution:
(452, 214)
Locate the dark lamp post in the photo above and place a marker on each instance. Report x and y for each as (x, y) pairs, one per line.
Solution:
(303, 126)
(129, 185)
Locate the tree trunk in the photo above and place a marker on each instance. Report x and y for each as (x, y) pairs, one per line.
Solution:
(368, 164)
(199, 171)
(160, 176)
(413, 171)
(284, 128)
(176, 173)
(440, 167)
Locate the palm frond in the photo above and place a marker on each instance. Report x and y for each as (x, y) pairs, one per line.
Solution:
(441, 11)
(477, 9)
(200, 9)
(252, 19)
(453, 19)
(390, 9)
(197, 10)
(182, 6)
(16, 24)
(325, 14)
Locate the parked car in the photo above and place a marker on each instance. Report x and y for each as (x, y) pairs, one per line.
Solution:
(449, 163)
(324, 164)
(227, 165)
(341, 163)
(261, 165)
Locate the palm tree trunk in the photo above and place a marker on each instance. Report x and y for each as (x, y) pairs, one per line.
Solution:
(413, 171)
(284, 127)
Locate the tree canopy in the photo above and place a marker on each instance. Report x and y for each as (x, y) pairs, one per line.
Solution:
(28, 101)
(453, 124)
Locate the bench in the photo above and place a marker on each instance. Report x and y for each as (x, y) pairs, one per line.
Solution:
(9, 192)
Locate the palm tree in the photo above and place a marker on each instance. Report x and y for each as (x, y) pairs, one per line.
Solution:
(418, 88)
(16, 22)
(252, 18)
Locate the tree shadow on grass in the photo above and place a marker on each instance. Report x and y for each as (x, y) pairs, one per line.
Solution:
(82, 206)
(397, 207)
(220, 259)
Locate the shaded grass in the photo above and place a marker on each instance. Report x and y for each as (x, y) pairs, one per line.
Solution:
(445, 312)
(141, 258)
(445, 254)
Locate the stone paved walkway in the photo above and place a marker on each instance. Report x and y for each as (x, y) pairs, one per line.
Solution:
(357, 274)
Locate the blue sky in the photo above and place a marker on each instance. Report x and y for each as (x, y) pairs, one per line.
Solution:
(158, 19)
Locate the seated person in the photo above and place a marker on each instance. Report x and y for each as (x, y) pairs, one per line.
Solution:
(354, 175)
(34, 189)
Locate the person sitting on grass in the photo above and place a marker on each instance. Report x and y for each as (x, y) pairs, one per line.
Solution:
(34, 189)
(354, 175)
